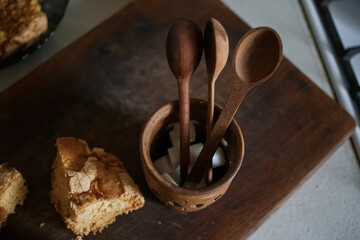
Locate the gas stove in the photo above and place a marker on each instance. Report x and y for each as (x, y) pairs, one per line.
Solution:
(335, 25)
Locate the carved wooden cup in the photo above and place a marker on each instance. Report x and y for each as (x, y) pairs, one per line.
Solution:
(154, 142)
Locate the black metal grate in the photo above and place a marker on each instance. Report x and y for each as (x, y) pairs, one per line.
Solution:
(343, 55)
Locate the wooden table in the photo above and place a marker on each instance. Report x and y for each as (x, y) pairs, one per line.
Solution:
(102, 89)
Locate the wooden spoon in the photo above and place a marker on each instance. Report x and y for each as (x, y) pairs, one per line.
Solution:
(216, 49)
(184, 46)
(256, 58)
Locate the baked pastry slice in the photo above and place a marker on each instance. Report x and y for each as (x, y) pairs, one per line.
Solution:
(91, 187)
(12, 191)
(21, 23)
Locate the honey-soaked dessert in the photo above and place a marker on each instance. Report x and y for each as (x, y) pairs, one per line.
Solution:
(21, 22)
(91, 187)
(12, 191)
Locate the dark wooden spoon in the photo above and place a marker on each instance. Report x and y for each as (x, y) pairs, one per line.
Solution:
(256, 58)
(184, 47)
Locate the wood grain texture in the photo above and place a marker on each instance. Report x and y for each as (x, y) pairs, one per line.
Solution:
(184, 48)
(101, 89)
(155, 136)
(216, 51)
(257, 57)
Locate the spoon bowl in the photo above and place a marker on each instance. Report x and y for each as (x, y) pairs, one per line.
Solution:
(184, 47)
(216, 48)
(257, 55)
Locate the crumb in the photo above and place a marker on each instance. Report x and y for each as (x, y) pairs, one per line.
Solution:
(42, 225)
(77, 238)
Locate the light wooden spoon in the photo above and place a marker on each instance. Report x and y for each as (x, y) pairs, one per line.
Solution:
(184, 46)
(256, 58)
(216, 49)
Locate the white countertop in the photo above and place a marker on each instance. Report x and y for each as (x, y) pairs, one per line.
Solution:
(327, 206)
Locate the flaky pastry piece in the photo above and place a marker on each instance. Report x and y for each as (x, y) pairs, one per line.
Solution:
(12, 191)
(21, 22)
(90, 187)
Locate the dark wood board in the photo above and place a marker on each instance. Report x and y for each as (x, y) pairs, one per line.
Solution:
(103, 87)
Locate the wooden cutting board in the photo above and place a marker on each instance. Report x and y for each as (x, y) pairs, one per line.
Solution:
(103, 87)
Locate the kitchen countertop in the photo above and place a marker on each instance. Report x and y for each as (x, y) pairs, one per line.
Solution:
(327, 205)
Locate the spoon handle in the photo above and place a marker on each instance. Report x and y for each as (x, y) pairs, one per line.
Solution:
(209, 124)
(184, 117)
(237, 94)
